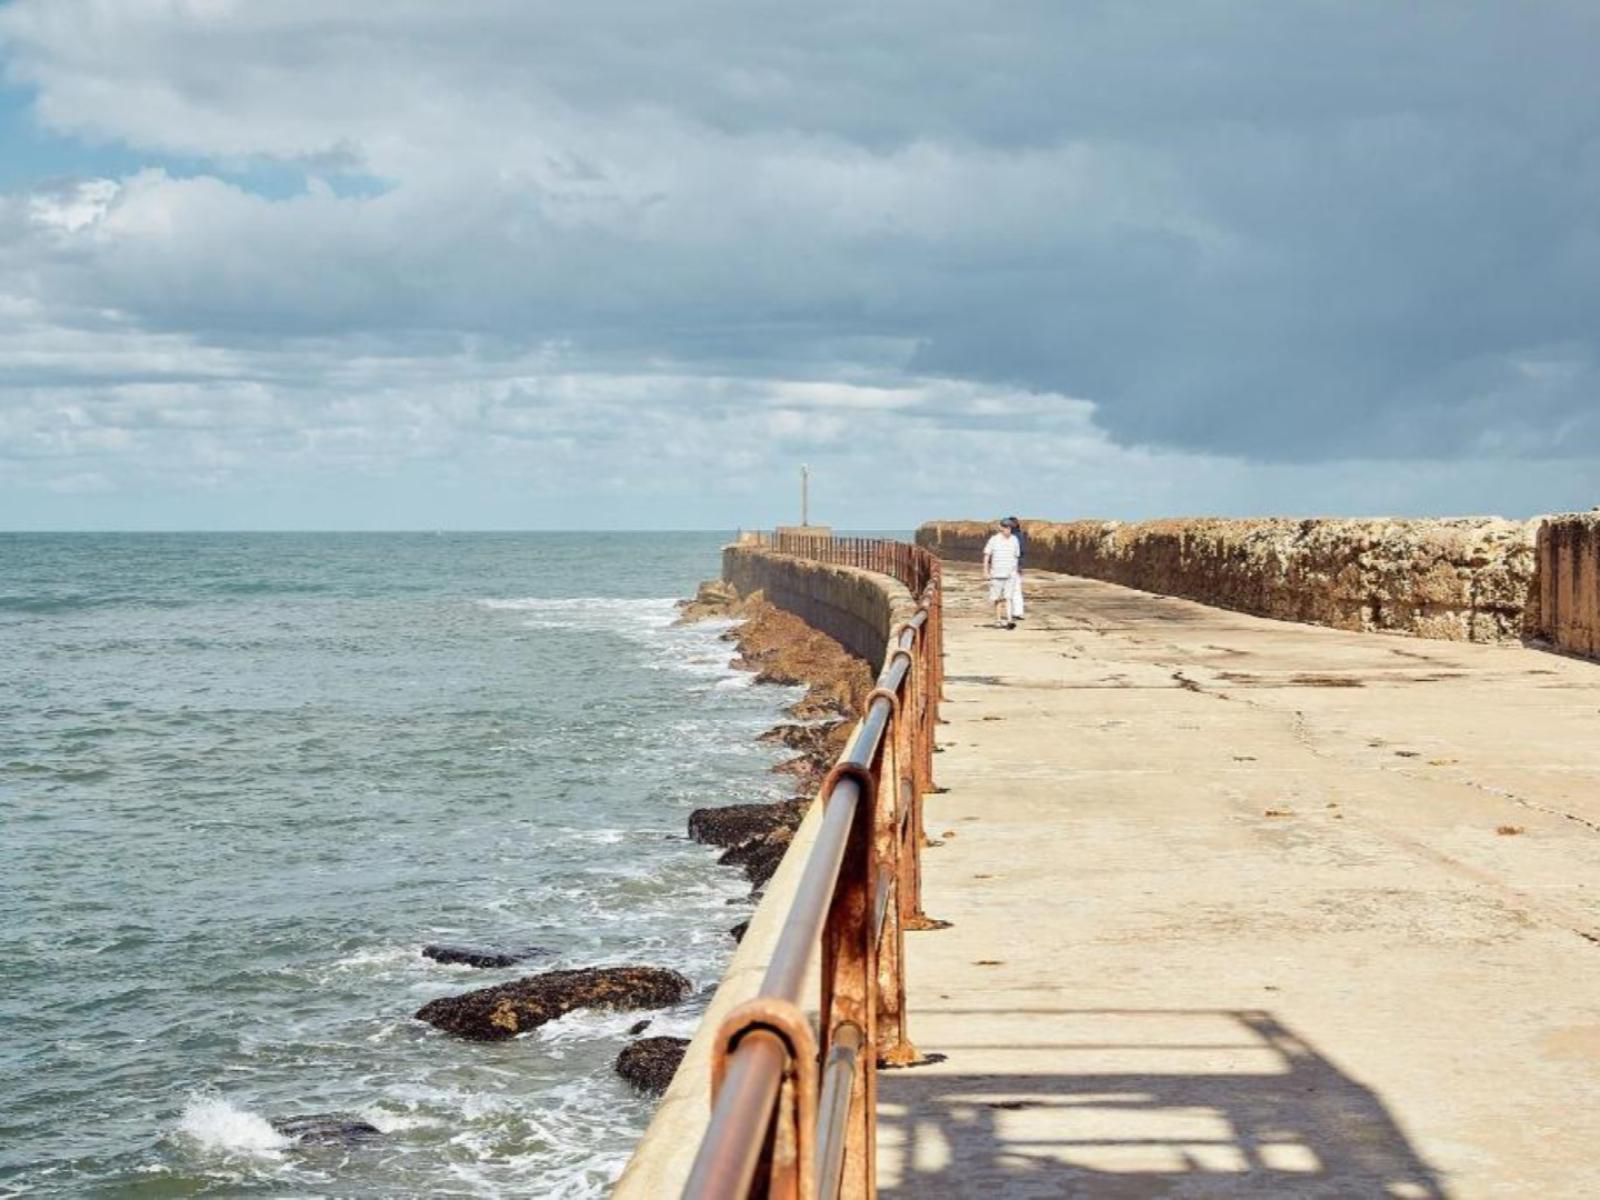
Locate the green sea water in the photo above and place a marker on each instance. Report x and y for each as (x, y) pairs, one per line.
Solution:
(244, 778)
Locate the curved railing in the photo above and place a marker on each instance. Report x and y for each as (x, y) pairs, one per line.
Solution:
(793, 1105)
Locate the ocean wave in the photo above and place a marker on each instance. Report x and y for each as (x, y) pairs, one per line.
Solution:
(589, 1024)
(378, 958)
(652, 605)
(45, 606)
(219, 1127)
(650, 622)
(385, 1121)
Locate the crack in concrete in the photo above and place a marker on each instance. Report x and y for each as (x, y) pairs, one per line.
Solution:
(1591, 826)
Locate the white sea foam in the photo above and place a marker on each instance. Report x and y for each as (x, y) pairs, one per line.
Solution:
(377, 958)
(586, 1024)
(596, 837)
(650, 622)
(576, 611)
(218, 1126)
(385, 1121)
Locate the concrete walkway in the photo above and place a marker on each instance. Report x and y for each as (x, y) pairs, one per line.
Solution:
(1244, 908)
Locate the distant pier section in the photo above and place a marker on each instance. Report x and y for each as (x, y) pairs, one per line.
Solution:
(1479, 579)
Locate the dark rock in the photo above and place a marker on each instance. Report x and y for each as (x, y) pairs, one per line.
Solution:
(479, 956)
(825, 738)
(739, 930)
(649, 1064)
(495, 1013)
(325, 1127)
(820, 744)
(776, 672)
(818, 703)
(760, 869)
(737, 823)
(806, 771)
(760, 856)
(638, 1027)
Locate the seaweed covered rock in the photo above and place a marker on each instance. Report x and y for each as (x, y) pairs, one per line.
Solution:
(781, 648)
(495, 1013)
(650, 1063)
(760, 856)
(824, 738)
(324, 1128)
(479, 956)
(807, 772)
(734, 824)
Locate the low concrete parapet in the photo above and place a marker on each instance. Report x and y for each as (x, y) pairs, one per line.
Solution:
(1569, 582)
(863, 611)
(1460, 579)
(662, 1160)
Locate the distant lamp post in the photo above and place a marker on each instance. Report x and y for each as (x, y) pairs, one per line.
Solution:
(805, 529)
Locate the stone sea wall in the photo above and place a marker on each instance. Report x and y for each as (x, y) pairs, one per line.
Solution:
(1461, 579)
(860, 610)
(1569, 582)
(856, 608)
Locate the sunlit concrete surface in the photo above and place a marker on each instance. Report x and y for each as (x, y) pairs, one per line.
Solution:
(1250, 908)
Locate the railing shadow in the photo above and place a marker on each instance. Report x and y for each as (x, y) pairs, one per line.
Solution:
(1263, 1115)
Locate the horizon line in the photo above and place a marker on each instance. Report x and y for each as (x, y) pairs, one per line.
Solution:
(442, 531)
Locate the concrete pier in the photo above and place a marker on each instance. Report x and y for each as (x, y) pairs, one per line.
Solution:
(1244, 908)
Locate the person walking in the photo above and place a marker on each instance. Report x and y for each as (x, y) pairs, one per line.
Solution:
(1015, 598)
(1001, 554)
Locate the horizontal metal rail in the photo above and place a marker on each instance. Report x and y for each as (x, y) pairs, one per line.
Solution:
(786, 972)
(744, 1110)
(792, 1113)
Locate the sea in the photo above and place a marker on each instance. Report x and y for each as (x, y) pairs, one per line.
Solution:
(244, 778)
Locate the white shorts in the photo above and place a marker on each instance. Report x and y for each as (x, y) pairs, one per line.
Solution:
(999, 588)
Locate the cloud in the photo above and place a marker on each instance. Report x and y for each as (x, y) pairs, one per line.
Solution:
(1205, 240)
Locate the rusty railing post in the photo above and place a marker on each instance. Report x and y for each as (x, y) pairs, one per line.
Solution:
(849, 977)
(893, 1043)
(910, 877)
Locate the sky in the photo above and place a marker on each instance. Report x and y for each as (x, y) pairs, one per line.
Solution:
(517, 265)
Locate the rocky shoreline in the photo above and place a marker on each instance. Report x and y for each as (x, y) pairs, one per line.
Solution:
(782, 649)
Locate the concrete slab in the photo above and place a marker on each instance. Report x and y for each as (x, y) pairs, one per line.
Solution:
(1249, 908)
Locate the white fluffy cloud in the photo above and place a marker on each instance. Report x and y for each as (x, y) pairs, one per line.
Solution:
(1088, 258)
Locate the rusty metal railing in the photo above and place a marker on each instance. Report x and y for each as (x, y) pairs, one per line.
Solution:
(794, 1107)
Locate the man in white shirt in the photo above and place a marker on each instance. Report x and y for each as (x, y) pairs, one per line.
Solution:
(1016, 578)
(1001, 554)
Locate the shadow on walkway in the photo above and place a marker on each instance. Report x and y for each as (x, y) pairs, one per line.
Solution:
(1261, 1114)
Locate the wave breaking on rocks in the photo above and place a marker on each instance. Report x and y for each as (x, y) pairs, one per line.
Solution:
(493, 1014)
